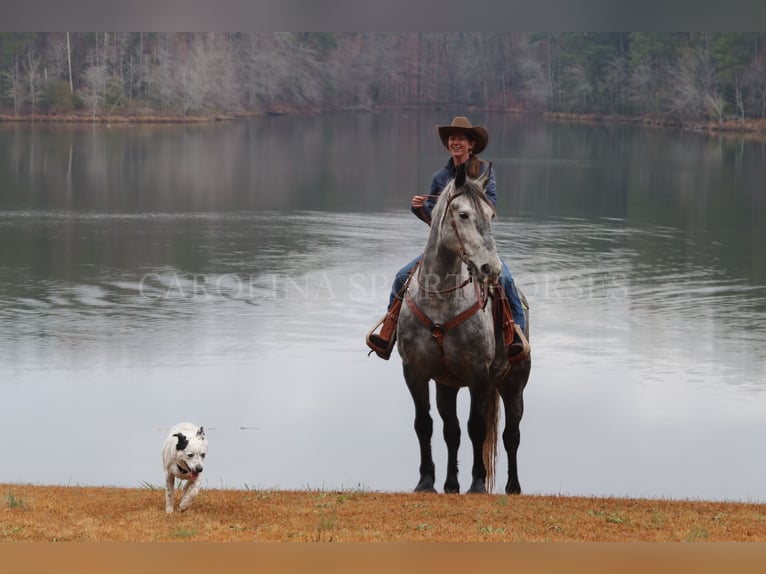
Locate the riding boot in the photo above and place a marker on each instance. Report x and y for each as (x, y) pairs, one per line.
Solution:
(519, 347)
(383, 343)
(515, 342)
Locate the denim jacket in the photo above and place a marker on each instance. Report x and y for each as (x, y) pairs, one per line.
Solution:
(440, 180)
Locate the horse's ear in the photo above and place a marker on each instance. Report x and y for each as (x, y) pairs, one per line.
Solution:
(460, 176)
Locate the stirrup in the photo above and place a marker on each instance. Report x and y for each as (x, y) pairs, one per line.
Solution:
(376, 342)
(524, 343)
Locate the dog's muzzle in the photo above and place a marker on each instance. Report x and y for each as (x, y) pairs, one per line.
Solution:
(193, 473)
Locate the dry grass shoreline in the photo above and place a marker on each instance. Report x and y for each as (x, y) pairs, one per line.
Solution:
(751, 128)
(106, 514)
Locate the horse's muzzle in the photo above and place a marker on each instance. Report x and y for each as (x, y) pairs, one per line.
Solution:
(488, 272)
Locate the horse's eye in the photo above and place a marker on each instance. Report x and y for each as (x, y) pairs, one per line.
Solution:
(463, 215)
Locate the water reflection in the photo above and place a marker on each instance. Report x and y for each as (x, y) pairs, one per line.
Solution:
(148, 296)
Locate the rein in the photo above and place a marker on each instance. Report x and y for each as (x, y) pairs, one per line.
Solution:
(453, 224)
(439, 291)
(438, 330)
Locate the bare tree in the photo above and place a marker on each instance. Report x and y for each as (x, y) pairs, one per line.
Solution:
(56, 57)
(31, 73)
(642, 86)
(191, 81)
(577, 85)
(69, 63)
(353, 71)
(160, 77)
(535, 80)
(534, 62)
(282, 70)
(15, 86)
(94, 79)
(715, 104)
(755, 87)
(693, 88)
(739, 100)
(615, 82)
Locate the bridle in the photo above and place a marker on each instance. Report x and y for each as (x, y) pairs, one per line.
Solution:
(453, 223)
(438, 330)
(461, 244)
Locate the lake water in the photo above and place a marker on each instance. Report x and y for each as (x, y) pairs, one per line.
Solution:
(227, 274)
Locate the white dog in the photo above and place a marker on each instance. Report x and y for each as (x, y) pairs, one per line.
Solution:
(182, 455)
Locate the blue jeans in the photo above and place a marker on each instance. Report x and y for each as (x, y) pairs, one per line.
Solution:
(505, 280)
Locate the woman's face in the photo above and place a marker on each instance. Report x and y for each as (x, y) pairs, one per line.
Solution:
(460, 147)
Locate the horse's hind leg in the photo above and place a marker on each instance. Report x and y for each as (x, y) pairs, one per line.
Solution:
(446, 403)
(424, 427)
(477, 431)
(512, 392)
(514, 409)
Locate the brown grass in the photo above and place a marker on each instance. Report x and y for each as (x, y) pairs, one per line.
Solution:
(53, 513)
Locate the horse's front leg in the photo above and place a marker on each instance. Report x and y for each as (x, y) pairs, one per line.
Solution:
(424, 427)
(446, 403)
(477, 431)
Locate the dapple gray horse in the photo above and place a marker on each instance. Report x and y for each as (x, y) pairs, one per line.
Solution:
(446, 333)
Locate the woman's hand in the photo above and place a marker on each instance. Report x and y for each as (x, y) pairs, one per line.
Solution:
(420, 209)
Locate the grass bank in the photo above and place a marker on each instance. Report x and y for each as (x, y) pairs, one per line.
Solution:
(61, 513)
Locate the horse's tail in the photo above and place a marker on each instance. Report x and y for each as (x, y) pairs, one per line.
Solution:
(489, 453)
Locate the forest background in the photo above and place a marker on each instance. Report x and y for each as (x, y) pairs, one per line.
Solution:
(674, 78)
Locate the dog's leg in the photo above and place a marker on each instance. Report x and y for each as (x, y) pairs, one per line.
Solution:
(169, 485)
(190, 493)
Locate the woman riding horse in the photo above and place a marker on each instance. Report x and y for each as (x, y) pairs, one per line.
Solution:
(447, 335)
(464, 142)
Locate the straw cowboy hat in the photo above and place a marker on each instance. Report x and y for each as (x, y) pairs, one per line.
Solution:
(462, 125)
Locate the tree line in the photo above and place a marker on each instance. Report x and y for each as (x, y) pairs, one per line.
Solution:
(684, 77)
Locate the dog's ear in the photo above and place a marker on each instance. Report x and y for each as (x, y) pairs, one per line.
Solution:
(183, 442)
(201, 432)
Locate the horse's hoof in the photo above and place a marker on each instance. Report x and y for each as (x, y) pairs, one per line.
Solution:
(478, 488)
(425, 485)
(451, 489)
(513, 488)
(429, 490)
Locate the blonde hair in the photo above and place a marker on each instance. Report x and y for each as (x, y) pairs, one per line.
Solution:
(473, 167)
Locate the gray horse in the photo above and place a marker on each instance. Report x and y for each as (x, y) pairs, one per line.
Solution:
(446, 332)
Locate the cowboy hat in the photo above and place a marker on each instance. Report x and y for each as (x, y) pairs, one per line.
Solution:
(461, 124)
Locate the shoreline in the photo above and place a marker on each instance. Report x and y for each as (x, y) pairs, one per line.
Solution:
(117, 119)
(744, 128)
(750, 128)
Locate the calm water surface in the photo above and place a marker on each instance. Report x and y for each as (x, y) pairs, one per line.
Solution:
(227, 275)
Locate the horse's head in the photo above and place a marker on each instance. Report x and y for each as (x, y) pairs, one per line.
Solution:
(465, 224)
